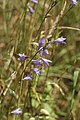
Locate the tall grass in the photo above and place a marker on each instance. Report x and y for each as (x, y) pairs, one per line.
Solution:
(46, 31)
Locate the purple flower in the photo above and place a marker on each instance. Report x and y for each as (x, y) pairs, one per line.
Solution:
(46, 61)
(34, 1)
(60, 40)
(22, 57)
(45, 52)
(41, 42)
(17, 111)
(74, 2)
(31, 10)
(28, 77)
(37, 62)
(36, 70)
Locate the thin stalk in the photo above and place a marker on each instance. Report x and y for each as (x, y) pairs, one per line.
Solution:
(46, 78)
(72, 100)
(58, 18)
(26, 97)
(30, 28)
(21, 87)
(29, 88)
(4, 16)
(69, 28)
(43, 19)
(19, 21)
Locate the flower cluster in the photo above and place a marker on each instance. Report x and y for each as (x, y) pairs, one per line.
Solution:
(36, 69)
(42, 50)
(38, 63)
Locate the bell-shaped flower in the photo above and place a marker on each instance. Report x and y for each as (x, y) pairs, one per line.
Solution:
(31, 10)
(41, 43)
(37, 62)
(74, 2)
(22, 57)
(36, 70)
(28, 77)
(45, 52)
(60, 40)
(46, 61)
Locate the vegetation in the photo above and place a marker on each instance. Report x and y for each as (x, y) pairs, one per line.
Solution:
(39, 60)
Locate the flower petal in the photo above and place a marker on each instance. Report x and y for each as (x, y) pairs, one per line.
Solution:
(17, 111)
(31, 10)
(22, 57)
(45, 52)
(36, 70)
(74, 2)
(41, 42)
(34, 1)
(60, 40)
(28, 77)
(46, 61)
(37, 62)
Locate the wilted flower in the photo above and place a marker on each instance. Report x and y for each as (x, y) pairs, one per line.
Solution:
(17, 111)
(34, 1)
(28, 77)
(22, 57)
(74, 2)
(60, 40)
(46, 61)
(31, 10)
(36, 70)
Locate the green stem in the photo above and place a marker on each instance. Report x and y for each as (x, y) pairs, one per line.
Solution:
(43, 19)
